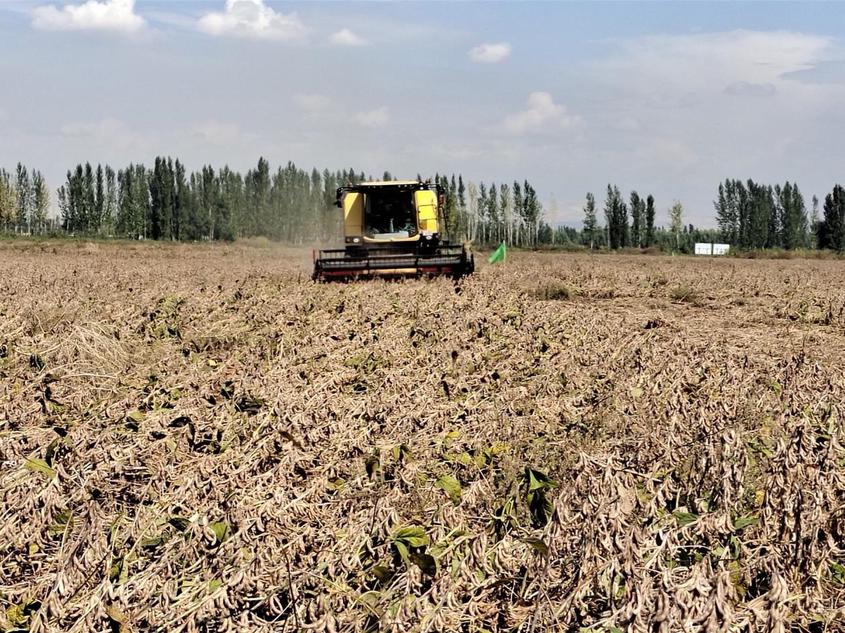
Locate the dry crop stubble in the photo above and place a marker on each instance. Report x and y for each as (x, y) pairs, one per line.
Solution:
(202, 439)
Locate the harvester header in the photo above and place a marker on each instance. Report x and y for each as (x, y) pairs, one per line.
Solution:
(393, 229)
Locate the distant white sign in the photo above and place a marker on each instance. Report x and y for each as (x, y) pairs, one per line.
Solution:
(705, 248)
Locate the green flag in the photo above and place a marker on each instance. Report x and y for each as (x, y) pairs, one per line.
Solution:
(499, 255)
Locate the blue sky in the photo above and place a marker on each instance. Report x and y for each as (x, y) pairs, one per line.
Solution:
(664, 98)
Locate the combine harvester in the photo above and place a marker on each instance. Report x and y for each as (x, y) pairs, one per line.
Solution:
(393, 229)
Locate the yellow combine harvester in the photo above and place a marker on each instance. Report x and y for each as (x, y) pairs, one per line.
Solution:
(392, 229)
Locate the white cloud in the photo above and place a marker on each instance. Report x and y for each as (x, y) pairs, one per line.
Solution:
(345, 37)
(99, 15)
(377, 118)
(829, 71)
(324, 112)
(215, 132)
(312, 103)
(748, 89)
(100, 130)
(708, 62)
(541, 114)
(705, 105)
(668, 153)
(490, 53)
(705, 91)
(253, 19)
(108, 133)
(626, 123)
(182, 21)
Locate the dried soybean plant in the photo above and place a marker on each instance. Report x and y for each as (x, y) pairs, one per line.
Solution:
(201, 439)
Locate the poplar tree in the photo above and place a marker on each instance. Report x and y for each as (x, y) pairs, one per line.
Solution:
(649, 221)
(590, 222)
(813, 233)
(110, 202)
(23, 193)
(676, 222)
(616, 215)
(88, 199)
(637, 212)
(493, 212)
(40, 202)
(99, 200)
(8, 201)
(832, 227)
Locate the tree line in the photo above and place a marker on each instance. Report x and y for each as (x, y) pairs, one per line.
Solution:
(24, 201)
(754, 216)
(167, 202)
(631, 224)
(749, 216)
(491, 213)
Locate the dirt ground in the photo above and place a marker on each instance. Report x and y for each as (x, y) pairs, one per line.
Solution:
(201, 438)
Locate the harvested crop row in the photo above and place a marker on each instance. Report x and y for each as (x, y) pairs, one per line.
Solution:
(198, 438)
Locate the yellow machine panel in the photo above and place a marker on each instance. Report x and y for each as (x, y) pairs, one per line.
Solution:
(392, 229)
(426, 202)
(353, 213)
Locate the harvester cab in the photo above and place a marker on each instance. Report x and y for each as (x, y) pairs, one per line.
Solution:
(393, 229)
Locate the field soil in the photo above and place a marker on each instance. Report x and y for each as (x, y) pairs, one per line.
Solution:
(200, 438)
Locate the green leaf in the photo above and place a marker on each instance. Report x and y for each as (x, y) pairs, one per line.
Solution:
(214, 584)
(251, 405)
(425, 562)
(180, 523)
(55, 447)
(758, 445)
(637, 392)
(116, 569)
(837, 573)
(735, 547)
(538, 544)
(401, 453)
(19, 614)
(740, 523)
(372, 465)
(499, 448)
(336, 484)
(382, 572)
(412, 536)
(62, 522)
(538, 480)
(152, 542)
(451, 436)
(221, 530)
(136, 416)
(540, 508)
(402, 549)
(370, 599)
(464, 459)
(684, 518)
(40, 466)
(451, 486)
